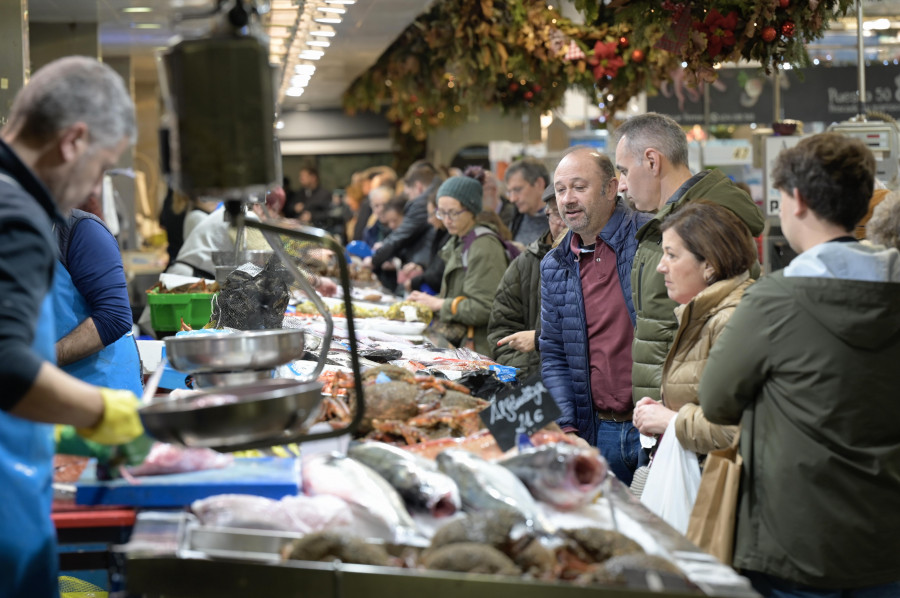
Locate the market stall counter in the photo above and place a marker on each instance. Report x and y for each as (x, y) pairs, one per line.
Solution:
(165, 559)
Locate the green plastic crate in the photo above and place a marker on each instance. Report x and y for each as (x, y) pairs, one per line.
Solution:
(167, 309)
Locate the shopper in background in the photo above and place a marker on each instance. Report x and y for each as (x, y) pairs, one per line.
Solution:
(377, 231)
(426, 275)
(515, 325)
(371, 178)
(807, 366)
(652, 160)
(526, 180)
(69, 124)
(418, 183)
(475, 259)
(707, 256)
(311, 204)
(883, 228)
(587, 319)
(494, 200)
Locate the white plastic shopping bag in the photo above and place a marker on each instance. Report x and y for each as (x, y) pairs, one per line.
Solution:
(671, 487)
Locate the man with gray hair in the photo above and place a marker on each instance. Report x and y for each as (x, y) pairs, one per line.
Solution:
(526, 180)
(652, 160)
(69, 124)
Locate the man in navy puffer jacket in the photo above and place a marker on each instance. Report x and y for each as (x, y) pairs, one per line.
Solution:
(587, 316)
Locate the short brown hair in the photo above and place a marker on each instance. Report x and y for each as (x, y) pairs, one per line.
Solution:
(716, 235)
(834, 174)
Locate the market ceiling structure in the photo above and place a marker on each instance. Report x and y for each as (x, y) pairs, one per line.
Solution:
(366, 29)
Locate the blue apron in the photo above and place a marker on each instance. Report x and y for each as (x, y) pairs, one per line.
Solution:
(115, 366)
(29, 565)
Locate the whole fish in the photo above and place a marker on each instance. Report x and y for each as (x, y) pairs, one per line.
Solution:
(376, 506)
(417, 479)
(563, 475)
(485, 486)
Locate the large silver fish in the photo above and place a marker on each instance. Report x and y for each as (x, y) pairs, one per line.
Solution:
(417, 479)
(563, 475)
(485, 486)
(377, 508)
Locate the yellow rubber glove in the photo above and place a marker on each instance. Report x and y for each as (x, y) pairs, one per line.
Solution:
(121, 422)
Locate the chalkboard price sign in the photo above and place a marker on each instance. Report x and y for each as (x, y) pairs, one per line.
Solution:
(526, 408)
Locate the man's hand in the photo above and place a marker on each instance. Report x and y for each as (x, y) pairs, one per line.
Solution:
(651, 417)
(579, 441)
(520, 341)
(407, 273)
(326, 287)
(120, 422)
(433, 303)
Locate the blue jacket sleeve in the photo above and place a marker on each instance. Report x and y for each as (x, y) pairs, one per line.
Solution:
(95, 265)
(554, 365)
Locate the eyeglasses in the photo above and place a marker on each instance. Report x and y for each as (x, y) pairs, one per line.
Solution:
(448, 215)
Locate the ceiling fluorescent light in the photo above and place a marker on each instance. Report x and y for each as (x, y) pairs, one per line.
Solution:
(335, 10)
(322, 31)
(327, 19)
(318, 43)
(344, 2)
(136, 9)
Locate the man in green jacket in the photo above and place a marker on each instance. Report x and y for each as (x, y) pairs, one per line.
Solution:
(807, 366)
(515, 324)
(652, 160)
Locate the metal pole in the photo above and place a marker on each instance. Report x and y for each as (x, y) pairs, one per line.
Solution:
(860, 61)
(706, 108)
(776, 96)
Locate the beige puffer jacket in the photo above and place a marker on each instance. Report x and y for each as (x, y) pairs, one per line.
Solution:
(699, 324)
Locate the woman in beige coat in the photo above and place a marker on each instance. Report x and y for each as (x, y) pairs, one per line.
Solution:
(707, 256)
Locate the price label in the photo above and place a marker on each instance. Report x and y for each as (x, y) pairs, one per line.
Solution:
(523, 409)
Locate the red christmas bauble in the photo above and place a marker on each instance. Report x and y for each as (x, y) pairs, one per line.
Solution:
(537, 88)
(787, 29)
(623, 42)
(637, 56)
(513, 86)
(413, 98)
(528, 95)
(784, 3)
(768, 34)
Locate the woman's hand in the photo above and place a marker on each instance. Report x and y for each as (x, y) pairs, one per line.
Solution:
(520, 341)
(651, 417)
(430, 301)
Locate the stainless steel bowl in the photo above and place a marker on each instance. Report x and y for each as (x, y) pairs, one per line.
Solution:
(230, 352)
(218, 379)
(237, 417)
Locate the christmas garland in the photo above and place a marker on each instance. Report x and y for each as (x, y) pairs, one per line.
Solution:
(462, 56)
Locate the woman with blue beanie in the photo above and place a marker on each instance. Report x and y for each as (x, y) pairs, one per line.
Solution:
(476, 259)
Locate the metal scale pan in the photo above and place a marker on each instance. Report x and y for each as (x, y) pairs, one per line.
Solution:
(260, 414)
